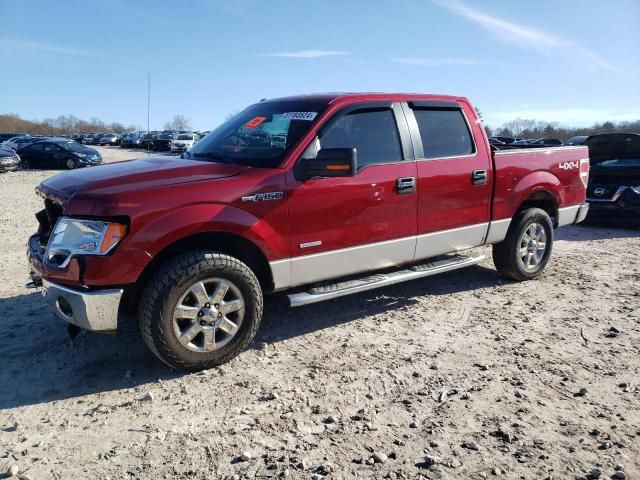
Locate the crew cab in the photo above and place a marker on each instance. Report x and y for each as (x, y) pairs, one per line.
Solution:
(363, 191)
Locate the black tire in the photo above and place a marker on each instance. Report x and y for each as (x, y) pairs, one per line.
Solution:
(25, 164)
(70, 163)
(506, 254)
(173, 280)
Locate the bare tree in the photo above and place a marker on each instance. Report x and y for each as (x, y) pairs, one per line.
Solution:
(179, 122)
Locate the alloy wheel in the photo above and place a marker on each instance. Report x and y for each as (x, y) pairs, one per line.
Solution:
(208, 315)
(532, 246)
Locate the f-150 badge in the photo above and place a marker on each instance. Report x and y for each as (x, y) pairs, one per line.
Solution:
(263, 196)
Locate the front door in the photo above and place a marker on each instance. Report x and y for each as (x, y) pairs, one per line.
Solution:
(347, 225)
(455, 177)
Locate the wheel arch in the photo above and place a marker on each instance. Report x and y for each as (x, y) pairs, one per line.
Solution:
(544, 200)
(224, 242)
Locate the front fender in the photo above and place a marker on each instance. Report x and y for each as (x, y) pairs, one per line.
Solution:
(190, 220)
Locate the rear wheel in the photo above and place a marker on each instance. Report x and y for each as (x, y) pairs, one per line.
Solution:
(526, 250)
(200, 310)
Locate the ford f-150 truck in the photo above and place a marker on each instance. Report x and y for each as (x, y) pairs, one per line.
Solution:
(363, 191)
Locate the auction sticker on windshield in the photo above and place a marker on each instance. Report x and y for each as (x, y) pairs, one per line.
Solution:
(308, 116)
(254, 122)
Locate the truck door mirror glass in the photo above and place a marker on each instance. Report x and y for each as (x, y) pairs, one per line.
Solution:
(330, 162)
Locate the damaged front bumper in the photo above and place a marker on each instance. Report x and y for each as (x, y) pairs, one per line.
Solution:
(90, 309)
(95, 310)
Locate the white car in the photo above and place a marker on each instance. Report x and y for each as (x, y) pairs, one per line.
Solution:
(184, 141)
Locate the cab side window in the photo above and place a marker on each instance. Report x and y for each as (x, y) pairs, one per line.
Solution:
(50, 147)
(444, 132)
(373, 132)
(35, 147)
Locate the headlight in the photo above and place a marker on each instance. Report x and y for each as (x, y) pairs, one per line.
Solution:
(81, 155)
(73, 237)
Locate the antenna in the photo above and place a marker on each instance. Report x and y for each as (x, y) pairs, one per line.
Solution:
(148, 97)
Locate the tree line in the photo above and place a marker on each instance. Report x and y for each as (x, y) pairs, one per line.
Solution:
(527, 128)
(66, 124)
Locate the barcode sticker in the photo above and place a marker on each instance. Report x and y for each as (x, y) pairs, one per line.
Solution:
(308, 116)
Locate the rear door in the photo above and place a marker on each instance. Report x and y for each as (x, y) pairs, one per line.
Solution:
(454, 176)
(341, 226)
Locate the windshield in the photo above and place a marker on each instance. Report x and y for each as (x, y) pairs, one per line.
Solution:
(185, 137)
(259, 136)
(72, 146)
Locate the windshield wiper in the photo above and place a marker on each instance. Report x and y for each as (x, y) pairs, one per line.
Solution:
(214, 156)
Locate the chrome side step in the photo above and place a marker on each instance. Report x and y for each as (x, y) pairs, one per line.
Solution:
(347, 287)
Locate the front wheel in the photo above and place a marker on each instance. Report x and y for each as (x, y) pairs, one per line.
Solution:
(70, 163)
(525, 251)
(200, 310)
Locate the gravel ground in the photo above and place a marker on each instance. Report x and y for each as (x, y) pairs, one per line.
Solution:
(463, 375)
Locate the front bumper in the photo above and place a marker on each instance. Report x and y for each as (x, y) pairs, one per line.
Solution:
(95, 310)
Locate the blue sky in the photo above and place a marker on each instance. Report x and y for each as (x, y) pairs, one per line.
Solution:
(572, 61)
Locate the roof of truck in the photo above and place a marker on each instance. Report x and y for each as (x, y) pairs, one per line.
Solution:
(330, 97)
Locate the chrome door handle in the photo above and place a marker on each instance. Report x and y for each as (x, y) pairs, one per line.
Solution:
(479, 177)
(406, 185)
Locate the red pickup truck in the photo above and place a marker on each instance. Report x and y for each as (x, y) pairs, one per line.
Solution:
(317, 195)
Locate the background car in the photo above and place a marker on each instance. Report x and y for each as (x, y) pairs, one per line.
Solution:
(504, 140)
(163, 141)
(90, 139)
(147, 139)
(613, 191)
(58, 153)
(6, 136)
(16, 142)
(9, 160)
(184, 141)
(131, 140)
(107, 139)
(579, 140)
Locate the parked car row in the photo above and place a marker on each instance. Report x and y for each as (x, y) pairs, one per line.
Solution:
(529, 142)
(46, 152)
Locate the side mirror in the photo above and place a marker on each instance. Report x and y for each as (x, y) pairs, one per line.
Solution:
(330, 162)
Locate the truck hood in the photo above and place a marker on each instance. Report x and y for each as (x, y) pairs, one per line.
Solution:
(133, 175)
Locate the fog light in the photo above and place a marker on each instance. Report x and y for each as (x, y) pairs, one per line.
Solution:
(64, 307)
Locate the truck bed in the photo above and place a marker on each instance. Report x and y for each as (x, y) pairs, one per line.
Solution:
(563, 170)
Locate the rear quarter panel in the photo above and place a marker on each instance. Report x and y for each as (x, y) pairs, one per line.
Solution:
(521, 173)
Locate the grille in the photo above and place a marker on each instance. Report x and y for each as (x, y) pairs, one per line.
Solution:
(54, 212)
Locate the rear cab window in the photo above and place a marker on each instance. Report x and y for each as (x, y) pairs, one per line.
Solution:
(444, 132)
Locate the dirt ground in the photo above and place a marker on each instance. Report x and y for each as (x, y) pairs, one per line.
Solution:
(542, 378)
